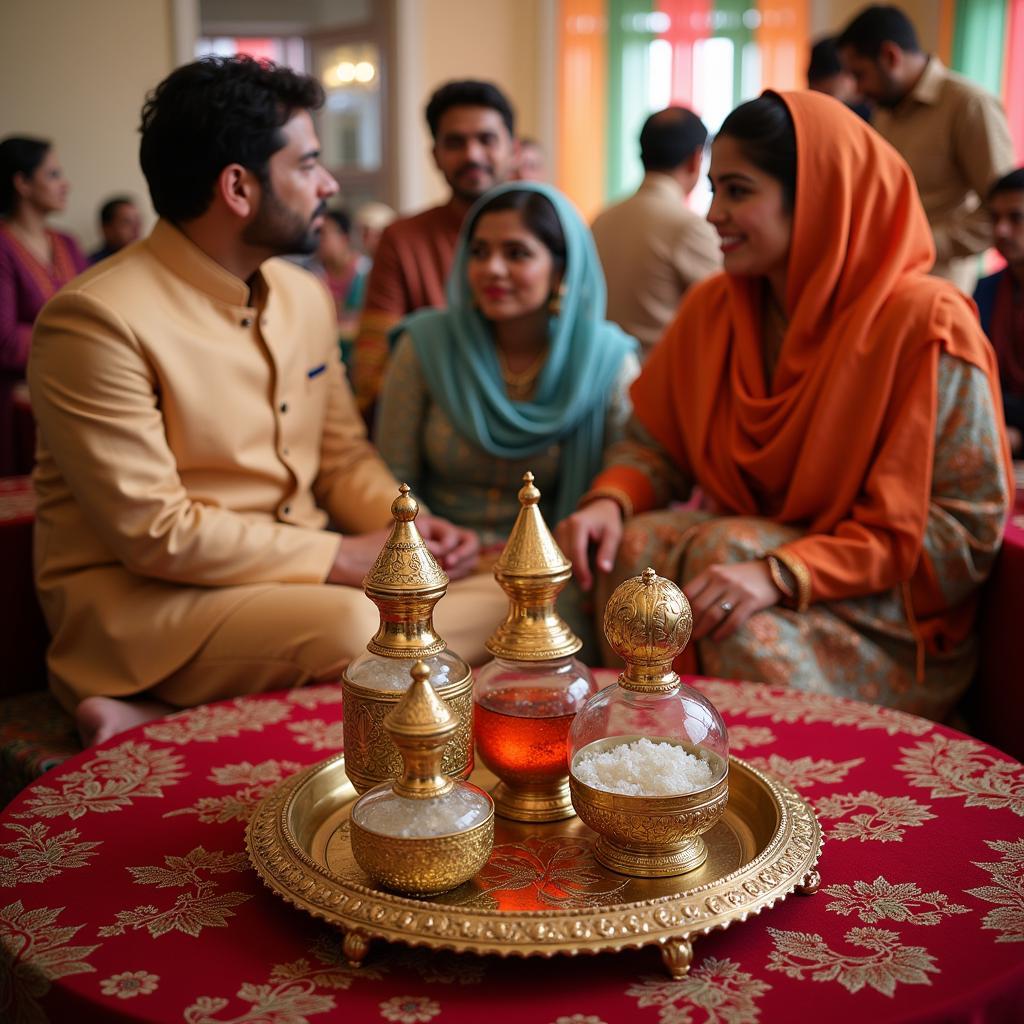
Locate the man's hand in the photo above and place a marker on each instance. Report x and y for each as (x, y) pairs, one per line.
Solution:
(456, 548)
(743, 588)
(356, 554)
(600, 523)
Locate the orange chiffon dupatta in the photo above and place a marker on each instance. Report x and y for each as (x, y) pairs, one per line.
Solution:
(842, 442)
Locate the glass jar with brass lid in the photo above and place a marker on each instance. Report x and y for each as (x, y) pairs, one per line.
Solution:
(527, 697)
(405, 583)
(423, 833)
(649, 756)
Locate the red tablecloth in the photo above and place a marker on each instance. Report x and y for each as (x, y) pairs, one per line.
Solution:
(128, 895)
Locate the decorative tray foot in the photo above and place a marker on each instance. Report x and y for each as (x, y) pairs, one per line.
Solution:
(543, 892)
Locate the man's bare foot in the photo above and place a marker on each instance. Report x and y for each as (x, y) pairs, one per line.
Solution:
(99, 718)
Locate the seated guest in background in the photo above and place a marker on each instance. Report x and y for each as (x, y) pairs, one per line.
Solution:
(952, 132)
(825, 73)
(120, 225)
(839, 410)
(34, 261)
(1000, 299)
(371, 219)
(520, 372)
(530, 163)
(652, 246)
(343, 269)
(473, 127)
(197, 433)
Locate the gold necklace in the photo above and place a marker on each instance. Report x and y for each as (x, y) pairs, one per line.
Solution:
(520, 384)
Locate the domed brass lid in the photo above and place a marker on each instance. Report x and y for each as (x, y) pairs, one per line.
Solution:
(405, 583)
(533, 571)
(648, 622)
(420, 726)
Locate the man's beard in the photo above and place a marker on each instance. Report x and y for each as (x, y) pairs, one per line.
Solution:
(282, 230)
(471, 195)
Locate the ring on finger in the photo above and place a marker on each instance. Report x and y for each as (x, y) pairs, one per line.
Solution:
(726, 606)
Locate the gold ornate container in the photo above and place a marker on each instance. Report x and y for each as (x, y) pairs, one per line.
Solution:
(528, 696)
(423, 833)
(404, 583)
(647, 622)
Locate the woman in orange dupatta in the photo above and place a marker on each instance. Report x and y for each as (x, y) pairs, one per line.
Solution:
(839, 411)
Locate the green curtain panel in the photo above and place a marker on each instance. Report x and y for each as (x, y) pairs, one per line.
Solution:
(629, 36)
(979, 41)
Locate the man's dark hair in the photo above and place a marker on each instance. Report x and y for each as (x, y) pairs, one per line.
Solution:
(825, 62)
(876, 25)
(764, 131)
(1012, 182)
(109, 208)
(211, 113)
(19, 154)
(469, 93)
(669, 137)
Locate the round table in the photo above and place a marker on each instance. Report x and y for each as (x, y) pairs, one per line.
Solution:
(128, 894)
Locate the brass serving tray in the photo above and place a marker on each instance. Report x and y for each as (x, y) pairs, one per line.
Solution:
(542, 892)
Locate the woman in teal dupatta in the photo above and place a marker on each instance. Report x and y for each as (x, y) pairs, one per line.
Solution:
(520, 372)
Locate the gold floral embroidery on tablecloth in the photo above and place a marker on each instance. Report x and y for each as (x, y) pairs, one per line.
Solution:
(881, 900)
(318, 734)
(804, 771)
(211, 722)
(965, 769)
(202, 906)
(253, 779)
(314, 697)
(36, 855)
(743, 736)
(578, 1018)
(794, 706)
(34, 951)
(1007, 890)
(111, 780)
(726, 994)
(884, 821)
(802, 955)
(129, 984)
(409, 1010)
(290, 992)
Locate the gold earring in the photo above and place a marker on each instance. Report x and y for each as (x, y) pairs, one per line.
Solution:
(556, 300)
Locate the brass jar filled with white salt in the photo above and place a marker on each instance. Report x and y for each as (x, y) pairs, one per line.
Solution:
(649, 756)
(405, 583)
(423, 833)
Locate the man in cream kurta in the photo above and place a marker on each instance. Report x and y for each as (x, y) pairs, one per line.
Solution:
(196, 436)
(952, 133)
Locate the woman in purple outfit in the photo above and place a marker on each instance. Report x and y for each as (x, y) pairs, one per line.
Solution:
(35, 262)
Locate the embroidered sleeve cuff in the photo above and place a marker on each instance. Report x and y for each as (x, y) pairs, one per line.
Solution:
(792, 577)
(620, 497)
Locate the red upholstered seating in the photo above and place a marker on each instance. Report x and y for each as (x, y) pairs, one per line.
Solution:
(35, 732)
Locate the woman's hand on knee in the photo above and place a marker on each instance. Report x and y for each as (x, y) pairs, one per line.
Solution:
(723, 597)
(600, 523)
(356, 554)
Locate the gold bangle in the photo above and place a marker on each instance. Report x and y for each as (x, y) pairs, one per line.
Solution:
(801, 575)
(620, 497)
(776, 573)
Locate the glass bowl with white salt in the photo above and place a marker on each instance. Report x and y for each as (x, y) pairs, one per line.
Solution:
(649, 755)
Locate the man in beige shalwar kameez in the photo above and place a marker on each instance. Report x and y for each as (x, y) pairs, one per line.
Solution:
(197, 433)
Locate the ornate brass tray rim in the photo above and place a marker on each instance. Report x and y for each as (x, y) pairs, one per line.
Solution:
(741, 894)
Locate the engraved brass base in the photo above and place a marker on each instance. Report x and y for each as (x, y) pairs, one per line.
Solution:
(658, 862)
(533, 803)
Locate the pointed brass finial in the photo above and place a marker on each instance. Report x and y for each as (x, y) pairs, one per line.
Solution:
(648, 622)
(405, 583)
(533, 571)
(420, 727)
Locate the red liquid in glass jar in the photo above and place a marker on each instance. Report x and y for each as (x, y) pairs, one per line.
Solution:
(521, 735)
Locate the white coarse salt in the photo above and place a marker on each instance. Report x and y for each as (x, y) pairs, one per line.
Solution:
(644, 768)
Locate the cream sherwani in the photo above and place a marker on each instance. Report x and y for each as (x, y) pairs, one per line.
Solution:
(193, 440)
